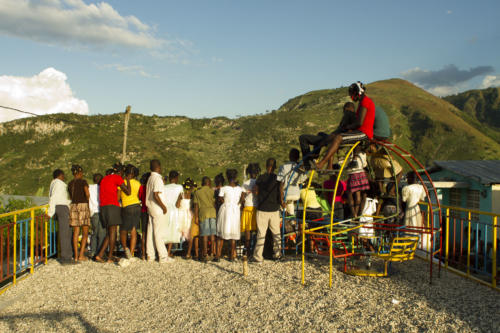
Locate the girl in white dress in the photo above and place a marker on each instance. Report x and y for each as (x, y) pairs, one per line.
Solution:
(172, 196)
(228, 220)
(369, 209)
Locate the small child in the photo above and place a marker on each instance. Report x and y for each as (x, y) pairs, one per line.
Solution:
(357, 182)
(248, 215)
(185, 217)
(228, 219)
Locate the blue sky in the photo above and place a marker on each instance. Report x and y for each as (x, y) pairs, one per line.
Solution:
(229, 58)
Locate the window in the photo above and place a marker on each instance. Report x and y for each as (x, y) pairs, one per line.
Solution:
(455, 201)
(473, 202)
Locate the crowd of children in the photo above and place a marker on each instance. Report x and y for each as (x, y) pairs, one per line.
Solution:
(118, 205)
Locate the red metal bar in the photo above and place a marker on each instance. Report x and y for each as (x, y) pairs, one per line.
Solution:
(454, 237)
(1, 253)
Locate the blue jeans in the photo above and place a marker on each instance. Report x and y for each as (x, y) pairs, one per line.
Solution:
(208, 227)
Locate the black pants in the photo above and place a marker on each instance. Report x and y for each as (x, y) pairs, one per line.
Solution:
(65, 232)
(307, 140)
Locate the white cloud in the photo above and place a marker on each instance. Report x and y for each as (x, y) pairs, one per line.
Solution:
(490, 81)
(133, 69)
(73, 22)
(44, 93)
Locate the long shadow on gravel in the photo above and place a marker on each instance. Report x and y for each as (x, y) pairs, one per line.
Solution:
(58, 320)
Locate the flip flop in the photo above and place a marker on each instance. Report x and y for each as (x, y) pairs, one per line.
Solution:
(98, 259)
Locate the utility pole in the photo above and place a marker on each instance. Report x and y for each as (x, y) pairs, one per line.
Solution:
(125, 132)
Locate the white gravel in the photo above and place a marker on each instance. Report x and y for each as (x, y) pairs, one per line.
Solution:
(192, 296)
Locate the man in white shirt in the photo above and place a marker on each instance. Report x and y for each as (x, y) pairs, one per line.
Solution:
(98, 231)
(157, 215)
(290, 178)
(59, 208)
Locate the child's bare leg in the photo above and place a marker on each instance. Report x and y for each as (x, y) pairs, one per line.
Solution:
(204, 241)
(247, 241)
(350, 201)
(169, 249)
(196, 249)
(213, 249)
(133, 240)
(85, 234)
(220, 243)
(123, 238)
(233, 249)
(190, 247)
(363, 201)
(357, 202)
(76, 233)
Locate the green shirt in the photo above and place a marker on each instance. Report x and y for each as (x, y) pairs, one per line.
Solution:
(205, 199)
(381, 125)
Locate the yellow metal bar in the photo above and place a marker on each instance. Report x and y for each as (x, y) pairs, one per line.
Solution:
(447, 239)
(494, 250)
(24, 211)
(15, 250)
(468, 247)
(349, 153)
(32, 241)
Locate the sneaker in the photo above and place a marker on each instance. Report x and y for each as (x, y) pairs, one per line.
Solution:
(167, 260)
(255, 261)
(128, 255)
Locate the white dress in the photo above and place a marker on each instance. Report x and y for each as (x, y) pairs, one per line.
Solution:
(412, 194)
(172, 232)
(369, 209)
(228, 219)
(184, 217)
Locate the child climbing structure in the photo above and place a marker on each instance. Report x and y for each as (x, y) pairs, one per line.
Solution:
(394, 239)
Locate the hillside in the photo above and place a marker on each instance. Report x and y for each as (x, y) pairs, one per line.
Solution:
(30, 149)
(482, 108)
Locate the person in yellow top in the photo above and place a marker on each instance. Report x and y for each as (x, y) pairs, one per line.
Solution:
(380, 162)
(314, 211)
(131, 211)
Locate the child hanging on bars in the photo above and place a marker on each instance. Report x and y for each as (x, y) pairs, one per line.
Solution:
(357, 183)
(348, 123)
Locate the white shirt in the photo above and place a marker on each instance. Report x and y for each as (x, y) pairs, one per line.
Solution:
(231, 195)
(413, 194)
(361, 163)
(171, 193)
(155, 184)
(58, 195)
(292, 181)
(250, 199)
(94, 199)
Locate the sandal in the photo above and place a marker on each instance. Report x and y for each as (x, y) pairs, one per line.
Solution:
(99, 259)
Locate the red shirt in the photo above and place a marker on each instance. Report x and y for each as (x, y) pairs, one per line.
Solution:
(142, 197)
(367, 125)
(108, 190)
(330, 185)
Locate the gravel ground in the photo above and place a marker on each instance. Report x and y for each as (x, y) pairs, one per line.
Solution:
(189, 295)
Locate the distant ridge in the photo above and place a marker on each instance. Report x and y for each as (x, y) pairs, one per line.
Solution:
(31, 148)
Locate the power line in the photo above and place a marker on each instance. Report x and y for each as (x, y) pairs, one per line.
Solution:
(9, 108)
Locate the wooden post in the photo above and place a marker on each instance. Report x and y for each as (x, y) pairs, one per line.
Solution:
(125, 132)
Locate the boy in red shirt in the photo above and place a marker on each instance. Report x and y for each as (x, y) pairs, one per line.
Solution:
(365, 116)
(110, 208)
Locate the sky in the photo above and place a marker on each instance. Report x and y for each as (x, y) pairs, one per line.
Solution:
(231, 58)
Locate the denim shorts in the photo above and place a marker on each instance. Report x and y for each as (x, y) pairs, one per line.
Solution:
(208, 227)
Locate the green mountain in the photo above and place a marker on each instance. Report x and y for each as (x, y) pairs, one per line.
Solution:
(31, 148)
(481, 108)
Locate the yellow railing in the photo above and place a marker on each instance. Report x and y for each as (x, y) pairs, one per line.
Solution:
(30, 234)
(477, 258)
